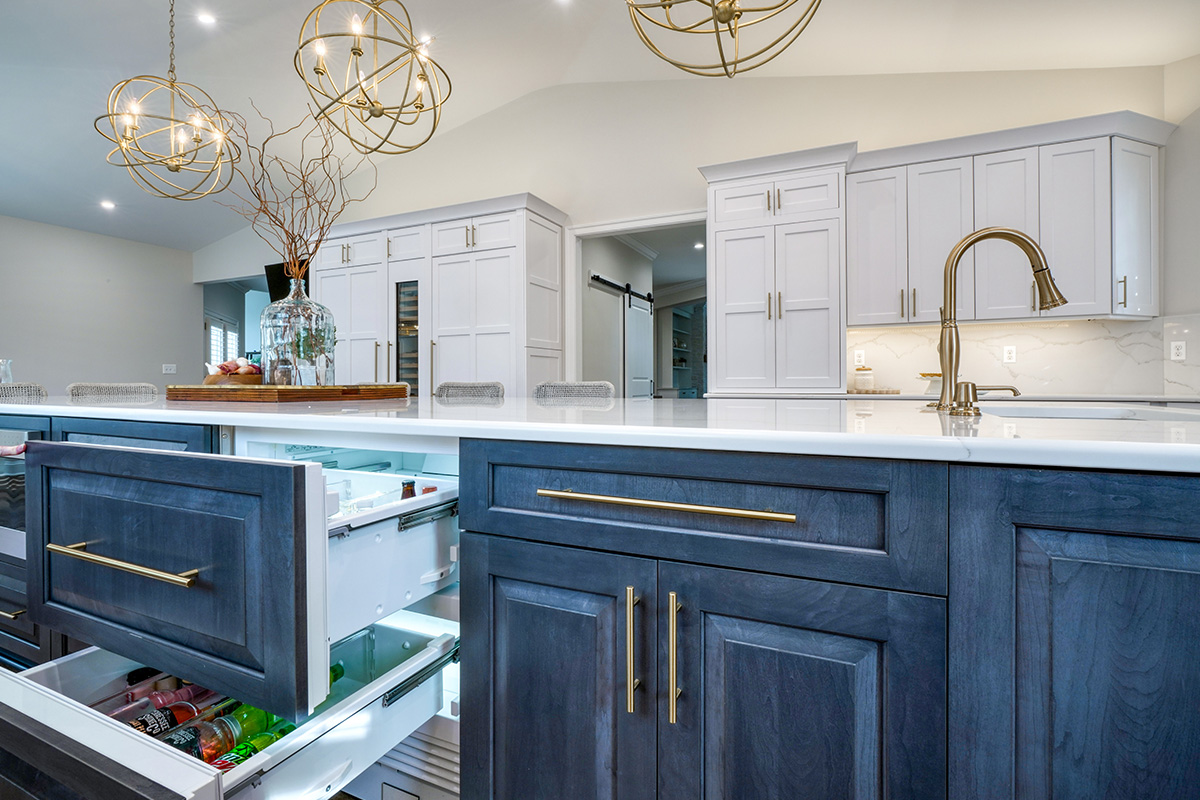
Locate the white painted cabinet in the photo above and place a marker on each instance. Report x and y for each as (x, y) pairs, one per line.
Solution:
(940, 214)
(1136, 225)
(1006, 196)
(348, 251)
(743, 300)
(358, 299)
(408, 307)
(877, 247)
(476, 233)
(784, 199)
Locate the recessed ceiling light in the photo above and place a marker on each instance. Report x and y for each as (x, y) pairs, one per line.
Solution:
(206, 18)
(107, 205)
(699, 245)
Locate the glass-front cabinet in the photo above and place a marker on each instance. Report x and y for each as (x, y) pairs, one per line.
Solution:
(295, 573)
(408, 348)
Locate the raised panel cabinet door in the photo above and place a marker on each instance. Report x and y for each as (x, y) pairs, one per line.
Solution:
(544, 662)
(742, 204)
(810, 351)
(744, 299)
(877, 247)
(1075, 634)
(790, 688)
(1136, 246)
(1006, 196)
(940, 213)
(1076, 224)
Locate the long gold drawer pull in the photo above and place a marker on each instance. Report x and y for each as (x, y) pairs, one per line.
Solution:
(11, 616)
(631, 682)
(673, 690)
(184, 579)
(744, 513)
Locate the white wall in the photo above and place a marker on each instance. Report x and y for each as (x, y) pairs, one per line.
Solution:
(1181, 88)
(1181, 220)
(617, 151)
(82, 307)
(255, 303)
(603, 309)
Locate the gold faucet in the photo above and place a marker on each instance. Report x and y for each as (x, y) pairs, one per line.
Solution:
(1048, 295)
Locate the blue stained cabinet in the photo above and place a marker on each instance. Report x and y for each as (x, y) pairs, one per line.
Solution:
(789, 686)
(1074, 635)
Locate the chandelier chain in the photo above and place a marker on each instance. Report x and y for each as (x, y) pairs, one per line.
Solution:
(171, 67)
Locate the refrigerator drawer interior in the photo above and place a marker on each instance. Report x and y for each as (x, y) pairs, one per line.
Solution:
(391, 686)
(230, 572)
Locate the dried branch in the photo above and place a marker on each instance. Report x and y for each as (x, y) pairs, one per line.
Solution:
(293, 205)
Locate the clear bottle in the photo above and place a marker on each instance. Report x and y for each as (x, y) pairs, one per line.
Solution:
(297, 340)
(253, 745)
(162, 720)
(156, 700)
(208, 739)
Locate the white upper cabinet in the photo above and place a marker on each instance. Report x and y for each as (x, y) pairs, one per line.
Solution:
(350, 251)
(1006, 196)
(1076, 224)
(776, 303)
(476, 233)
(877, 247)
(940, 213)
(1087, 190)
(358, 300)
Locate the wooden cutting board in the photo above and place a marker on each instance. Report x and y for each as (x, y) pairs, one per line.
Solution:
(288, 394)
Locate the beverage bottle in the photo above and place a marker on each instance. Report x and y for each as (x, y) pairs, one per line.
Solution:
(252, 745)
(156, 700)
(208, 739)
(408, 489)
(140, 683)
(160, 720)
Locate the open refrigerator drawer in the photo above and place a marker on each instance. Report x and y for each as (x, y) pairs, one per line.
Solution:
(50, 738)
(246, 576)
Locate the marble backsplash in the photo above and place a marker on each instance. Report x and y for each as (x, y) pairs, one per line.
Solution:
(1061, 357)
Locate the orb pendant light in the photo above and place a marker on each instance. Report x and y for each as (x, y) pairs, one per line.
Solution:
(720, 37)
(170, 135)
(370, 76)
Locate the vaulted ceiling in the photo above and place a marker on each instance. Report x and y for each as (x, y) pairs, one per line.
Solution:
(60, 59)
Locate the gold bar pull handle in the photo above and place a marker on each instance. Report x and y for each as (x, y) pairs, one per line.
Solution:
(631, 683)
(389, 362)
(473, 242)
(720, 511)
(673, 690)
(778, 202)
(185, 580)
(1124, 292)
(11, 616)
(389, 247)
(768, 306)
(769, 201)
(432, 364)
(377, 361)
(912, 307)
(779, 305)
(901, 304)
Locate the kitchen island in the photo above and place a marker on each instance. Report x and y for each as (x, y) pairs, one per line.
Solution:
(821, 598)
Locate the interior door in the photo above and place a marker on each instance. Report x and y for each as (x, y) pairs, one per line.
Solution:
(639, 348)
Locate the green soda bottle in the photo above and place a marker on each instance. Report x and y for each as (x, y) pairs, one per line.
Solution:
(254, 744)
(208, 740)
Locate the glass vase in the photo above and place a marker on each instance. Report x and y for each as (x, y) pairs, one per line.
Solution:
(297, 341)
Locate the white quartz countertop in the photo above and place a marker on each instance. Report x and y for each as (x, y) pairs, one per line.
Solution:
(1092, 435)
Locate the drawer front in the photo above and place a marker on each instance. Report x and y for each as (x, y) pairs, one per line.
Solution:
(122, 433)
(860, 521)
(246, 624)
(19, 636)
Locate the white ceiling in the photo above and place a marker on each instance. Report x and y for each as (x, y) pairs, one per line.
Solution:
(61, 58)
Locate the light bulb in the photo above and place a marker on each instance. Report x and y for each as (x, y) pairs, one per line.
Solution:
(134, 108)
(356, 25)
(319, 47)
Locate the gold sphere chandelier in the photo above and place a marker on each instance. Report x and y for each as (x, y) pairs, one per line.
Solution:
(745, 36)
(170, 135)
(370, 76)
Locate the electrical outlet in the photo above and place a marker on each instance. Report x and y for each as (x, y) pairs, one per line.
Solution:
(860, 426)
(1178, 435)
(1010, 354)
(860, 358)
(168, 369)
(1178, 351)
(1010, 430)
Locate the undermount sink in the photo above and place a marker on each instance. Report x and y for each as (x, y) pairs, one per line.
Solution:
(1136, 413)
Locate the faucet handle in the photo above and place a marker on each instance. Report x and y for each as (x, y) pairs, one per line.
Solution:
(965, 399)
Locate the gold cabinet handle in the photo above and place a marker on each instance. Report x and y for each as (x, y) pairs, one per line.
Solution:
(673, 690)
(11, 616)
(631, 683)
(389, 247)
(185, 580)
(377, 361)
(1124, 291)
(901, 304)
(473, 242)
(389, 362)
(742, 513)
(768, 306)
(432, 364)
(912, 307)
(778, 202)
(466, 236)
(779, 305)
(768, 201)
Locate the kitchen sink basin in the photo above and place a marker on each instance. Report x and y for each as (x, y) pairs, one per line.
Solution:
(1137, 413)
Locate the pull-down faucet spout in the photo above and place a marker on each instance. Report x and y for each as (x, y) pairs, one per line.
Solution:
(1048, 294)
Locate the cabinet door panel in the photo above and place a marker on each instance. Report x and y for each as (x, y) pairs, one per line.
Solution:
(743, 203)
(745, 318)
(408, 243)
(1076, 224)
(808, 344)
(1006, 195)
(864, 672)
(1135, 228)
(1075, 644)
(498, 230)
(877, 247)
(544, 656)
(940, 213)
(453, 236)
(808, 194)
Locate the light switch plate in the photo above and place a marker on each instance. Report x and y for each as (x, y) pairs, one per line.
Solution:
(168, 369)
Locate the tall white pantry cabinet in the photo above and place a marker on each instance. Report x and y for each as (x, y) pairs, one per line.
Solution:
(775, 274)
(488, 284)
